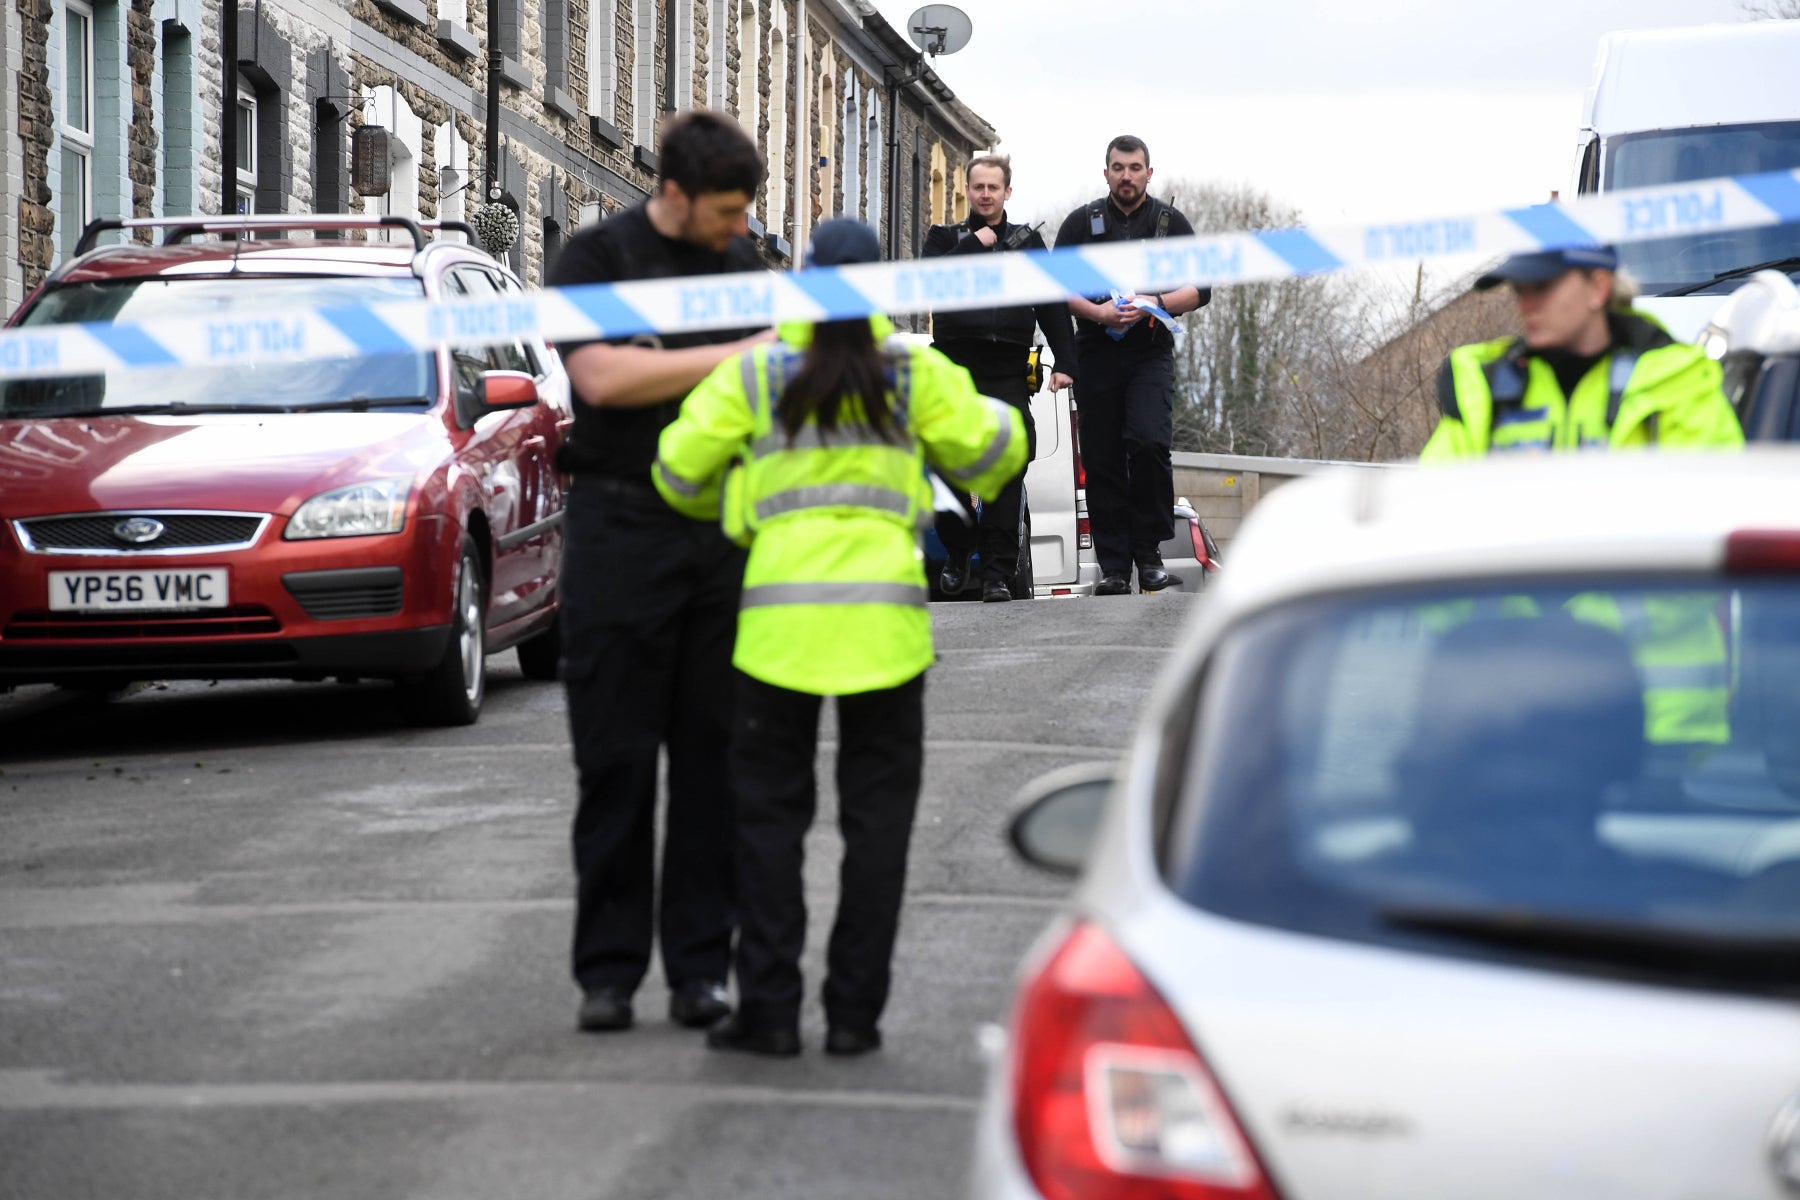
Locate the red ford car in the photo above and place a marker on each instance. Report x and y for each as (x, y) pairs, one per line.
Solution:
(396, 516)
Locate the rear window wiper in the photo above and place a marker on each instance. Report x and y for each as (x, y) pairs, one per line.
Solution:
(1704, 954)
(1774, 264)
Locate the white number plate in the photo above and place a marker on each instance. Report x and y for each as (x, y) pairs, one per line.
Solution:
(139, 591)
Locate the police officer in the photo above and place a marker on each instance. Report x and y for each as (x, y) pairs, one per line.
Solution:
(1126, 395)
(994, 346)
(649, 602)
(1592, 372)
(834, 426)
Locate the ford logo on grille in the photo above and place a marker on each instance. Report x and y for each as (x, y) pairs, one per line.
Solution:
(138, 530)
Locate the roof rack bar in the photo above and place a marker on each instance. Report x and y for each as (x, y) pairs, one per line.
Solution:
(462, 227)
(182, 228)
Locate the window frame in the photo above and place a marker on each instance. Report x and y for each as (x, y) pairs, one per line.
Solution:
(244, 177)
(76, 142)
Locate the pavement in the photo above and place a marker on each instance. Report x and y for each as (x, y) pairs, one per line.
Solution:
(268, 940)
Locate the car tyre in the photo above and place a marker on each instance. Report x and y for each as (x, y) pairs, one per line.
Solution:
(538, 655)
(451, 692)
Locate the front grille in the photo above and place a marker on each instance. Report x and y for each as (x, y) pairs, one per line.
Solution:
(344, 595)
(42, 625)
(96, 533)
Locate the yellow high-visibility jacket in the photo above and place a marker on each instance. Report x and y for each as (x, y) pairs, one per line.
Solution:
(834, 596)
(1648, 392)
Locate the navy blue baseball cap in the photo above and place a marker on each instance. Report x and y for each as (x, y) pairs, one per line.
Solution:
(1541, 266)
(843, 240)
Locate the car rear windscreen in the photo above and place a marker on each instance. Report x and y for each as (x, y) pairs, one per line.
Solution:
(1599, 777)
(383, 381)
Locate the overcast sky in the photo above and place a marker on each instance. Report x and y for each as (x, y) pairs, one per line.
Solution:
(1350, 110)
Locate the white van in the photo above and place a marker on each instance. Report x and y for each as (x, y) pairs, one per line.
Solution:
(1670, 105)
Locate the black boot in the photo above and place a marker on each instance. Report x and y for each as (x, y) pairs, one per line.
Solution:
(956, 574)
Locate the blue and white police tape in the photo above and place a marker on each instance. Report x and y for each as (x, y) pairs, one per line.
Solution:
(1156, 313)
(945, 284)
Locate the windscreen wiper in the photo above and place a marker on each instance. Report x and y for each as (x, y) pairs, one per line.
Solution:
(361, 404)
(1700, 954)
(176, 408)
(1774, 264)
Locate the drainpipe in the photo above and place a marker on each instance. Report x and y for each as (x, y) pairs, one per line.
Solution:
(494, 67)
(891, 210)
(228, 103)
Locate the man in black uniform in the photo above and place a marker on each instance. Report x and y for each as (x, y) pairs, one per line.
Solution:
(649, 602)
(994, 346)
(1127, 392)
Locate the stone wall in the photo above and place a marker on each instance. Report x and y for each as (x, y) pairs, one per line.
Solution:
(37, 129)
(311, 62)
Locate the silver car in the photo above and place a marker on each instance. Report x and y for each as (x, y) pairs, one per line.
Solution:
(1457, 855)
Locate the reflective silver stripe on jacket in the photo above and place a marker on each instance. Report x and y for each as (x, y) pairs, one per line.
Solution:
(833, 495)
(1659, 677)
(995, 449)
(811, 437)
(676, 483)
(774, 594)
(748, 374)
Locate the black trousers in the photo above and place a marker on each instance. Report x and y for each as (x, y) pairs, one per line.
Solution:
(880, 761)
(998, 369)
(1126, 402)
(649, 615)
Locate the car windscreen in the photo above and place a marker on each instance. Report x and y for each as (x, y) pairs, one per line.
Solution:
(1604, 778)
(1677, 156)
(382, 381)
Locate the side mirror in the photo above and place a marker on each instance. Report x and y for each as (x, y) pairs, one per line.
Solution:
(1061, 812)
(507, 389)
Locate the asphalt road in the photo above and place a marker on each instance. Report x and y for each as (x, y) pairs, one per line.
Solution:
(266, 940)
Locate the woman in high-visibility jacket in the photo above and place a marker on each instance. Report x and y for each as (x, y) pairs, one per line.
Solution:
(1592, 372)
(813, 449)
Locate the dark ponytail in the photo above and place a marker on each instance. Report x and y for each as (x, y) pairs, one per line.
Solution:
(843, 362)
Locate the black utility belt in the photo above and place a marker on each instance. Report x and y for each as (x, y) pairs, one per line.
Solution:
(614, 485)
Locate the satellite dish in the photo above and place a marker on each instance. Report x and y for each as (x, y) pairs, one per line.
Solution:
(940, 29)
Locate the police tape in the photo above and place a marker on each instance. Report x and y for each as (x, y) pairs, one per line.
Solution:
(757, 300)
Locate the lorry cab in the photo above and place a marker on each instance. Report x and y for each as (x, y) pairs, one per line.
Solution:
(1671, 105)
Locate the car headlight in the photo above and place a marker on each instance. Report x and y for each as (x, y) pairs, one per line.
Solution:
(378, 506)
(1714, 342)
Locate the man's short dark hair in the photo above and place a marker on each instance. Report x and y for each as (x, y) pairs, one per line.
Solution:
(705, 151)
(1130, 145)
(1003, 161)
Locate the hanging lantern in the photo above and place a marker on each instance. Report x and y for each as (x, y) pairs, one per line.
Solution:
(497, 227)
(370, 164)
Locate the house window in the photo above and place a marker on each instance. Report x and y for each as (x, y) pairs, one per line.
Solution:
(246, 147)
(874, 165)
(778, 130)
(643, 72)
(77, 123)
(603, 60)
(178, 120)
(852, 149)
(719, 35)
(749, 95)
(684, 49)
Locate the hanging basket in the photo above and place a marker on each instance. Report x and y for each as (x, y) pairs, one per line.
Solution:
(497, 227)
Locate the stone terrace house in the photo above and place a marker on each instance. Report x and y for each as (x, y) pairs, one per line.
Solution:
(115, 111)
